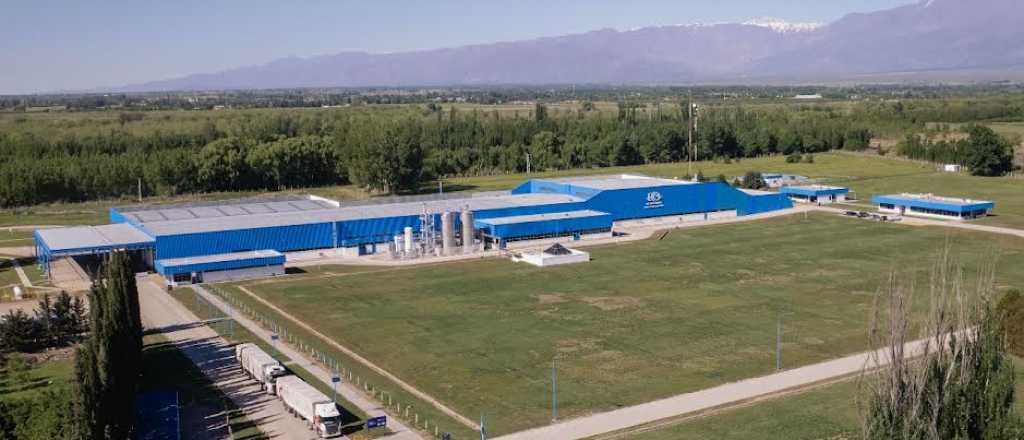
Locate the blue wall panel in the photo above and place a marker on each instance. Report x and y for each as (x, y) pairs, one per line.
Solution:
(759, 204)
(548, 227)
(278, 238)
(218, 265)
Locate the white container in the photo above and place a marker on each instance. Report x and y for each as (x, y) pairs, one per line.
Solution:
(311, 405)
(260, 366)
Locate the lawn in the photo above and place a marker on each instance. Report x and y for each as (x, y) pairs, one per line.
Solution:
(39, 376)
(15, 237)
(641, 321)
(827, 412)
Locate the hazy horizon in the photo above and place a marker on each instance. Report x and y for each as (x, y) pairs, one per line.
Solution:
(55, 46)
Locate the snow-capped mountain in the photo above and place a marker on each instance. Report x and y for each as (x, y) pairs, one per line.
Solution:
(929, 39)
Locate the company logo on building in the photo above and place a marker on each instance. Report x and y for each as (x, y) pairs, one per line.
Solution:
(654, 200)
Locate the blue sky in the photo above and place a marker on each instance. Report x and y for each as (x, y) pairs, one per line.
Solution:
(49, 45)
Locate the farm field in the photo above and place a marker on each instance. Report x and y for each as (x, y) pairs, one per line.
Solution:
(642, 321)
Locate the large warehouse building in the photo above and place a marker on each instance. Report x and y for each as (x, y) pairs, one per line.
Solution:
(238, 235)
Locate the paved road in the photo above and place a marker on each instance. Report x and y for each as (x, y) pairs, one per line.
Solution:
(723, 395)
(346, 390)
(215, 357)
(366, 362)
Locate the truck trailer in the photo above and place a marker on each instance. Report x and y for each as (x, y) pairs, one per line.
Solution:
(259, 366)
(306, 402)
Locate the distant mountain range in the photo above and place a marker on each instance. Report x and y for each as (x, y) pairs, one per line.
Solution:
(934, 40)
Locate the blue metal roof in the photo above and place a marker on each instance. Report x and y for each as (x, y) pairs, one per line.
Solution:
(814, 190)
(928, 201)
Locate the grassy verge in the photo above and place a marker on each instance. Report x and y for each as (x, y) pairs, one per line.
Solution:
(828, 412)
(165, 368)
(238, 334)
(641, 321)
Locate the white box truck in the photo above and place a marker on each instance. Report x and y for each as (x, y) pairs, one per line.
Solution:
(259, 366)
(306, 402)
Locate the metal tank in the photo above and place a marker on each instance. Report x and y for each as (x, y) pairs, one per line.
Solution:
(408, 240)
(468, 240)
(448, 232)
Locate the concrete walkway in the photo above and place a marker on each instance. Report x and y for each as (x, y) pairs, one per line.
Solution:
(723, 395)
(21, 273)
(345, 389)
(215, 357)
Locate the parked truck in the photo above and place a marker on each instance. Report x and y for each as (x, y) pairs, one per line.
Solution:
(309, 404)
(259, 366)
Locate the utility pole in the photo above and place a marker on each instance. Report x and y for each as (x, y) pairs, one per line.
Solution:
(778, 343)
(527, 163)
(689, 133)
(554, 389)
(140, 190)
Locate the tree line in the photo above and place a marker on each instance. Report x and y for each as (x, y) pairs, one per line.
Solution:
(389, 153)
(108, 363)
(983, 151)
(397, 149)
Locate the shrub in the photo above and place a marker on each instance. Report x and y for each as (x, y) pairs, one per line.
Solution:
(794, 158)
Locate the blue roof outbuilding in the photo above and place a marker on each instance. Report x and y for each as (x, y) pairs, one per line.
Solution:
(928, 201)
(814, 190)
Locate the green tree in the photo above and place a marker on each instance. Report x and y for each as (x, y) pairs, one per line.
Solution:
(961, 386)
(108, 364)
(753, 180)
(1011, 308)
(987, 153)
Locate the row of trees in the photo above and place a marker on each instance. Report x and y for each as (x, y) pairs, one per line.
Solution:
(55, 323)
(383, 152)
(983, 151)
(108, 363)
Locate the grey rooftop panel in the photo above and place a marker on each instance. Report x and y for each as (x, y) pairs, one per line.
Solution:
(92, 237)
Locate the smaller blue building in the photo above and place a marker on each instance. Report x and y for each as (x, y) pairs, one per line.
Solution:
(539, 226)
(819, 194)
(932, 206)
(222, 267)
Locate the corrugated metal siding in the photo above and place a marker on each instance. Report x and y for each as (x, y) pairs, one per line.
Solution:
(549, 227)
(219, 265)
(278, 238)
(377, 230)
(758, 204)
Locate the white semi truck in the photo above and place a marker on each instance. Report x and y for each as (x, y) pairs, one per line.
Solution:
(259, 366)
(306, 402)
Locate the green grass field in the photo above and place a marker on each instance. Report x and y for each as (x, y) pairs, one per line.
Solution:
(641, 321)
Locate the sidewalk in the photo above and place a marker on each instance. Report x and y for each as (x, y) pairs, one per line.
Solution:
(215, 357)
(345, 389)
